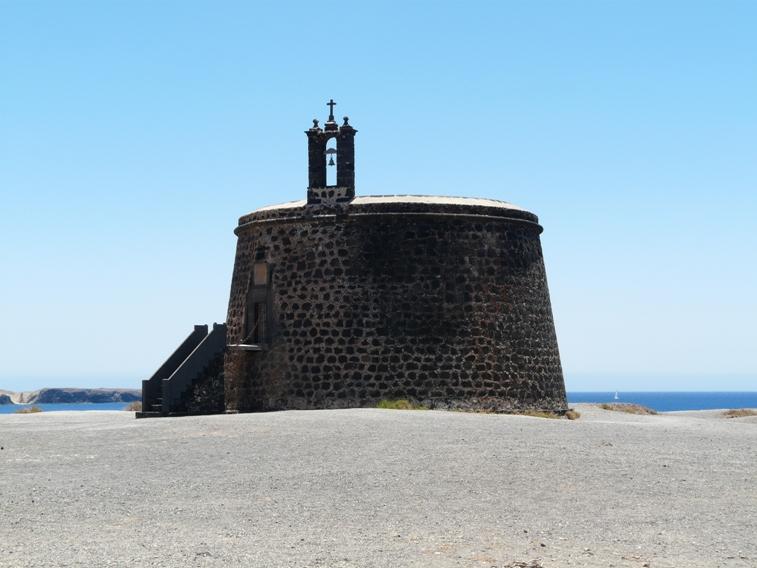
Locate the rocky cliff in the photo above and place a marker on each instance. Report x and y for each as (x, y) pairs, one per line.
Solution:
(58, 395)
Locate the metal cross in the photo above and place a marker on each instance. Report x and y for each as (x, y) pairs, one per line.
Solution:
(331, 105)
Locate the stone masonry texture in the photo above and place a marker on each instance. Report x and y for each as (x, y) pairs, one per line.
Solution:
(442, 302)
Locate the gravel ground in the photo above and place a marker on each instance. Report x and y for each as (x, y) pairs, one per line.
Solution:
(381, 488)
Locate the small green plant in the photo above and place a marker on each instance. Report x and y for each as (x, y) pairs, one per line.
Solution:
(739, 413)
(628, 408)
(29, 410)
(135, 406)
(400, 404)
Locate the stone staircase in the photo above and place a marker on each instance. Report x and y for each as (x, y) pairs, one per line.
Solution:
(162, 393)
(155, 408)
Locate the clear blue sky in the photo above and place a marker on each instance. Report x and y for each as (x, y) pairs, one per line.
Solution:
(134, 134)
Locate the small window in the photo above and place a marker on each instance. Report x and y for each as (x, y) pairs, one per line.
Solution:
(260, 274)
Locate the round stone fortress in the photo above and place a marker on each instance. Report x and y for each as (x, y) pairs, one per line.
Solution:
(341, 301)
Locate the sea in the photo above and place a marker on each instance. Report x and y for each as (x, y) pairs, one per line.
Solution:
(672, 401)
(660, 401)
(11, 408)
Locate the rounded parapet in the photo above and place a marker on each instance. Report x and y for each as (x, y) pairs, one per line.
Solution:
(298, 211)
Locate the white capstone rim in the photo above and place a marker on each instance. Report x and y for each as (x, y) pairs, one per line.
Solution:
(421, 199)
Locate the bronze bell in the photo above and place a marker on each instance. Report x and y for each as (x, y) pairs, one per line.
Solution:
(330, 152)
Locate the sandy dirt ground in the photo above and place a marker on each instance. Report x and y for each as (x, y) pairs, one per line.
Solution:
(378, 488)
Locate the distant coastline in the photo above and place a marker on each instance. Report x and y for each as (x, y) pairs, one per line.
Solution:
(69, 395)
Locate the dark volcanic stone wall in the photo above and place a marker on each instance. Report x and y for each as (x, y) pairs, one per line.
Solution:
(444, 304)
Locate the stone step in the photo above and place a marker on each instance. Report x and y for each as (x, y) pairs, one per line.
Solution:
(149, 414)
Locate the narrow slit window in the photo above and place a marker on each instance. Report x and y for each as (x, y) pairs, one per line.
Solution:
(256, 323)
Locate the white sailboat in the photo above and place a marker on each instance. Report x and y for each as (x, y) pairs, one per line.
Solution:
(616, 397)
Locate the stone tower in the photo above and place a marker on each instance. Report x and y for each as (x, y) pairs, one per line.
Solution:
(341, 301)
